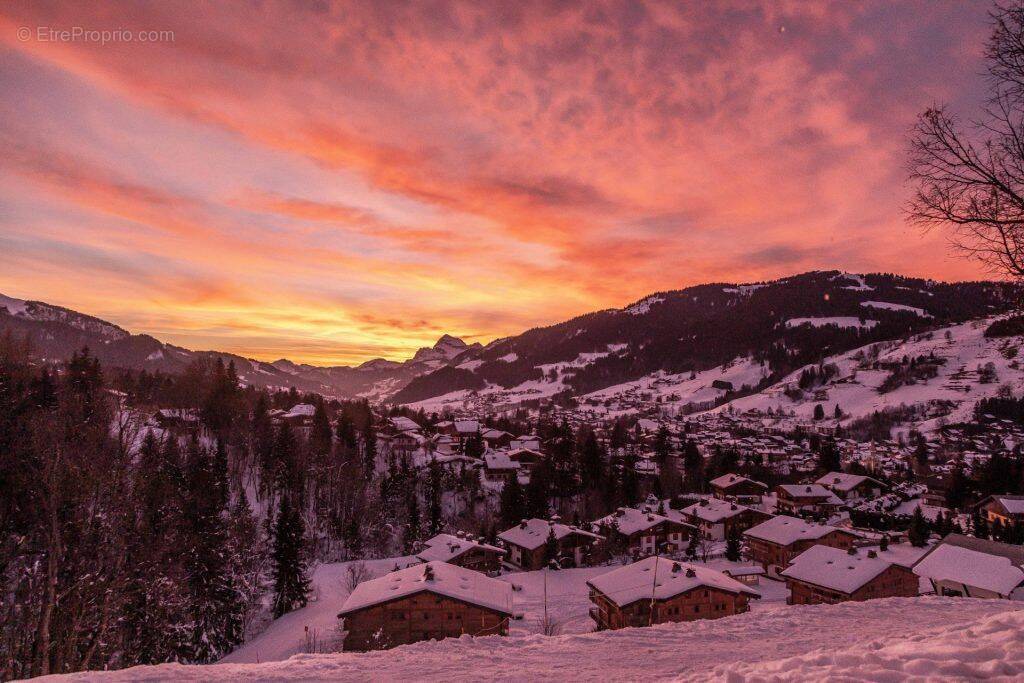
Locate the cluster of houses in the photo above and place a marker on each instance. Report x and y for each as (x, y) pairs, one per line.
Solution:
(455, 591)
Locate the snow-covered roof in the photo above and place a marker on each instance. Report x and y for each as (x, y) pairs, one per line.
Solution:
(988, 565)
(446, 547)
(631, 520)
(499, 460)
(639, 581)
(1012, 504)
(532, 533)
(810, 491)
(836, 569)
(467, 426)
(843, 481)
(301, 410)
(404, 424)
(727, 480)
(786, 530)
(714, 510)
(439, 578)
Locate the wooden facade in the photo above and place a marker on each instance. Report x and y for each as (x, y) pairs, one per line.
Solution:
(894, 582)
(414, 618)
(775, 556)
(702, 602)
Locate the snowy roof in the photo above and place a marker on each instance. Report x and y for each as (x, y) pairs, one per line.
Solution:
(1012, 504)
(446, 547)
(439, 578)
(630, 520)
(301, 410)
(403, 424)
(714, 510)
(532, 533)
(494, 433)
(499, 460)
(639, 581)
(836, 569)
(467, 426)
(988, 565)
(786, 530)
(810, 491)
(727, 480)
(842, 481)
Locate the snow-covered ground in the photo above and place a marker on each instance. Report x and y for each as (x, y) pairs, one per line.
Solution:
(567, 601)
(963, 348)
(891, 639)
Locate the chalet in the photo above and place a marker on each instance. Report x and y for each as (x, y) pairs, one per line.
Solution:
(774, 543)
(498, 466)
(805, 499)
(496, 438)
(402, 443)
(974, 568)
(527, 543)
(527, 441)
(657, 590)
(401, 423)
(851, 487)
(722, 385)
(643, 531)
(1004, 509)
(461, 551)
(425, 602)
(822, 574)
(176, 418)
(738, 487)
(526, 458)
(716, 518)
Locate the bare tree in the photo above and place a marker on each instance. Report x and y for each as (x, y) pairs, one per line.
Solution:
(970, 177)
(355, 574)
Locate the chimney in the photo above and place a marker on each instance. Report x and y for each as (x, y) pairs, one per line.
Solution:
(620, 511)
(428, 573)
(733, 507)
(872, 554)
(808, 489)
(676, 567)
(523, 524)
(851, 551)
(690, 573)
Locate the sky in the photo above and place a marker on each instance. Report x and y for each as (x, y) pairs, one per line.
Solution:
(334, 182)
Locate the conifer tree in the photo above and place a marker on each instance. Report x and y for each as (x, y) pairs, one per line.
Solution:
(538, 492)
(551, 546)
(733, 545)
(290, 583)
(512, 503)
(918, 532)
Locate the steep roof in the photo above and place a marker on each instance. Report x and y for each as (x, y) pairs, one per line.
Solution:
(836, 569)
(810, 491)
(639, 581)
(439, 578)
(446, 547)
(727, 480)
(533, 533)
(843, 481)
(714, 510)
(631, 520)
(786, 530)
(976, 562)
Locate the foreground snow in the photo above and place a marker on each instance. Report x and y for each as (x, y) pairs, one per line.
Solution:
(892, 639)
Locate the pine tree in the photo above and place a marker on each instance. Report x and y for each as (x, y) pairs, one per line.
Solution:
(883, 543)
(693, 465)
(435, 510)
(733, 545)
(819, 412)
(291, 585)
(918, 531)
(220, 475)
(512, 503)
(538, 492)
(979, 524)
(693, 544)
(630, 481)
(551, 546)
(321, 437)
(369, 447)
(592, 461)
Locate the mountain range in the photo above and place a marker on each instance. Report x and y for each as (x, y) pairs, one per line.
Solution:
(779, 325)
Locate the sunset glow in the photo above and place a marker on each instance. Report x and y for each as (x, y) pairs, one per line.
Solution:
(334, 183)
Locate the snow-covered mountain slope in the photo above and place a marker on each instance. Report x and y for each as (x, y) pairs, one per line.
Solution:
(945, 371)
(890, 639)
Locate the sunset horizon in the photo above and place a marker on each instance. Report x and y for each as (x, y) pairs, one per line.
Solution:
(336, 183)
